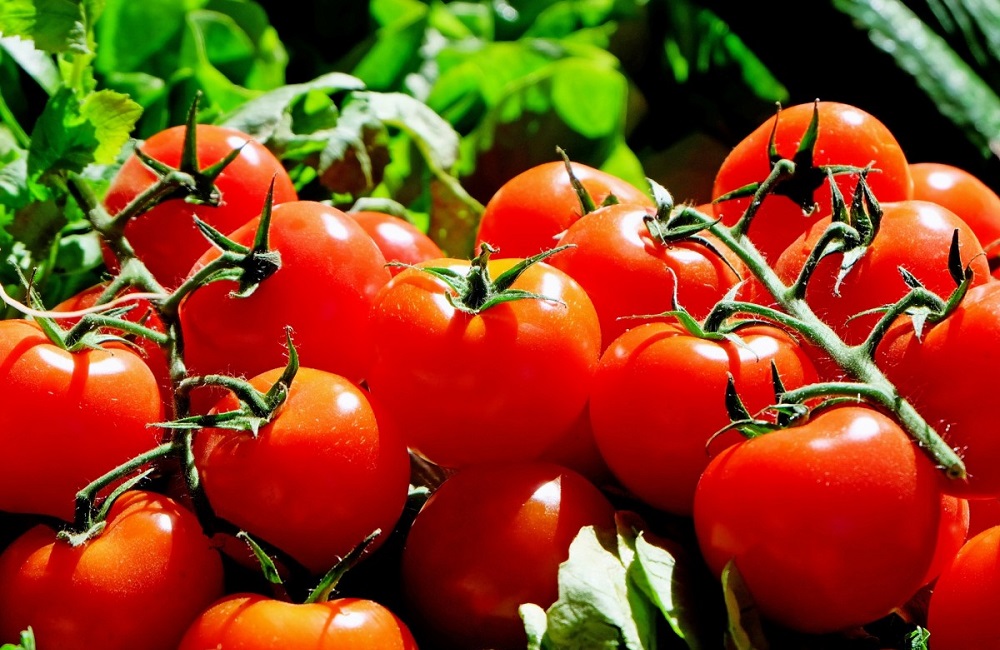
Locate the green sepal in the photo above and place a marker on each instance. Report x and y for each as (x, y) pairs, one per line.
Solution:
(267, 566)
(587, 204)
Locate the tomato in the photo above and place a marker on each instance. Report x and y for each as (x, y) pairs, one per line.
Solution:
(832, 524)
(962, 610)
(166, 238)
(67, 418)
(962, 193)
(983, 514)
(628, 272)
(254, 622)
(398, 239)
(330, 272)
(500, 384)
(138, 584)
(323, 474)
(915, 235)
(847, 136)
(952, 533)
(529, 213)
(933, 373)
(659, 395)
(488, 540)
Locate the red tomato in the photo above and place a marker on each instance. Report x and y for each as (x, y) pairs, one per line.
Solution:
(500, 384)
(962, 193)
(529, 213)
(166, 238)
(847, 136)
(983, 514)
(952, 533)
(914, 234)
(962, 610)
(255, 622)
(627, 272)
(934, 373)
(398, 239)
(66, 418)
(832, 524)
(488, 540)
(317, 479)
(659, 395)
(330, 272)
(139, 584)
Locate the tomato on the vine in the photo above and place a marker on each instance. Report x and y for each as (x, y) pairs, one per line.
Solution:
(67, 418)
(255, 622)
(962, 193)
(531, 211)
(488, 540)
(847, 135)
(166, 238)
(832, 524)
(138, 584)
(398, 239)
(961, 614)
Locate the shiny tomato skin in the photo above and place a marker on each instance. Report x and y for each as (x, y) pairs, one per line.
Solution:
(330, 273)
(66, 418)
(245, 621)
(832, 524)
(847, 135)
(398, 239)
(952, 534)
(139, 584)
(627, 272)
(322, 475)
(166, 238)
(916, 235)
(529, 213)
(933, 373)
(962, 610)
(501, 384)
(659, 396)
(962, 193)
(489, 539)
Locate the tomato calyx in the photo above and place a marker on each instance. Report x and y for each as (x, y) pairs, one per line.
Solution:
(477, 290)
(587, 204)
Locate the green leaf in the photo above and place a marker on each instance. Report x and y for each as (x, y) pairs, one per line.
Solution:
(394, 50)
(745, 631)
(63, 139)
(54, 25)
(435, 138)
(959, 93)
(33, 61)
(27, 641)
(591, 98)
(113, 116)
(132, 33)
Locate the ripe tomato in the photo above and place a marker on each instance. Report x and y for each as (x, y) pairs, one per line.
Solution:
(138, 584)
(952, 533)
(915, 235)
(847, 136)
(628, 272)
(321, 476)
(529, 212)
(166, 238)
(66, 418)
(330, 272)
(962, 193)
(832, 524)
(659, 395)
(488, 540)
(962, 610)
(398, 239)
(255, 622)
(500, 384)
(933, 373)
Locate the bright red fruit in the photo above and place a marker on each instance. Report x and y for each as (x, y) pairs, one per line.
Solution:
(398, 239)
(962, 610)
(962, 193)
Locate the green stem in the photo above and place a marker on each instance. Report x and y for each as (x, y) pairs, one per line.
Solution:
(10, 121)
(781, 170)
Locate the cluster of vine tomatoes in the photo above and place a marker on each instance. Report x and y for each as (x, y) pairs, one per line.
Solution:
(577, 354)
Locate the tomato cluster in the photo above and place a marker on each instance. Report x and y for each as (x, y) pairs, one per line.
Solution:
(273, 382)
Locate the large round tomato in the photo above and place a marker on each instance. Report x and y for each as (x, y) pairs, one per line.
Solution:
(316, 480)
(659, 395)
(936, 373)
(962, 610)
(330, 272)
(488, 540)
(255, 622)
(138, 584)
(914, 235)
(398, 239)
(847, 136)
(962, 193)
(166, 238)
(832, 524)
(627, 272)
(67, 418)
(529, 212)
(500, 384)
